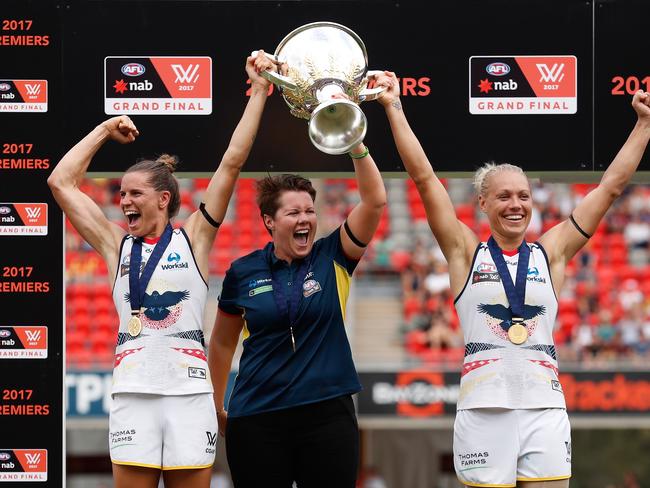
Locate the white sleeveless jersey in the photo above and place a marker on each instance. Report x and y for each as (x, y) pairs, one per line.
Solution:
(168, 357)
(496, 372)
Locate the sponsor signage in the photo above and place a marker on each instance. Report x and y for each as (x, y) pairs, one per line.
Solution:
(32, 415)
(515, 85)
(23, 219)
(88, 393)
(161, 85)
(23, 95)
(23, 465)
(417, 393)
(151, 73)
(425, 393)
(23, 342)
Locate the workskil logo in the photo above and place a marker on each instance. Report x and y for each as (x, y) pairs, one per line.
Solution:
(23, 95)
(23, 219)
(23, 342)
(508, 85)
(23, 465)
(158, 85)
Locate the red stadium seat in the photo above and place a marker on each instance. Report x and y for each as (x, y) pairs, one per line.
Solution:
(567, 306)
(415, 342)
(399, 260)
(75, 340)
(106, 321)
(411, 306)
(80, 321)
(103, 305)
(201, 183)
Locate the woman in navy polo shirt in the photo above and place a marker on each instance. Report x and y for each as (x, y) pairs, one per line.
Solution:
(290, 416)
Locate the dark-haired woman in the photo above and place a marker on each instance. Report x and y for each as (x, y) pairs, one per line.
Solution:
(162, 416)
(290, 416)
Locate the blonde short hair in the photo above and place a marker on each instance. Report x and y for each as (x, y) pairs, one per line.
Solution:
(490, 169)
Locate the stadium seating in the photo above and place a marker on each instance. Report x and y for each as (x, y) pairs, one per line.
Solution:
(595, 276)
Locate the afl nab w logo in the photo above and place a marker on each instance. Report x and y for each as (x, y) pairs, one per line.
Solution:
(212, 438)
(33, 459)
(186, 74)
(212, 442)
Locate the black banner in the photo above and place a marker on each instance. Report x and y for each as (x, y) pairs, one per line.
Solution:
(430, 393)
(501, 80)
(31, 239)
(621, 68)
(431, 54)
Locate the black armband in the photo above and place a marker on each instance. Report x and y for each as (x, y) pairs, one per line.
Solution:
(351, 235)
(207, 216)
(578, 228)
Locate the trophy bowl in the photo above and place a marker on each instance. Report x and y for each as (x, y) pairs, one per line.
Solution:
(323, 78)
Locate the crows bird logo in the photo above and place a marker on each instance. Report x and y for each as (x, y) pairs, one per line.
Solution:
(504, 314)
(157, 305)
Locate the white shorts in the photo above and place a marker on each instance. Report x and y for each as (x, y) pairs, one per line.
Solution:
(497, 447)
(163, 432)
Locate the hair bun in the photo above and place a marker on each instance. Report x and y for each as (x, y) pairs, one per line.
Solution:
(168, 160)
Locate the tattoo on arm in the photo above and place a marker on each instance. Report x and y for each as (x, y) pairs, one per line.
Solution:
(397, 105)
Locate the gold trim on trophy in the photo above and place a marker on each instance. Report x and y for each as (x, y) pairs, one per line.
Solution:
(323, 77)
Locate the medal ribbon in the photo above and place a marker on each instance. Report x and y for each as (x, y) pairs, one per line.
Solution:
(516, 292)
(138, 283)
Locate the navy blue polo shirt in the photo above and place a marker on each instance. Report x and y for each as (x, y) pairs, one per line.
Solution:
(271, 375)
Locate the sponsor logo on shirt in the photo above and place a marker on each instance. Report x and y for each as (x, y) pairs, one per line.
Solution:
(196, 373)
(174, 262)
(310, 287)
(260, 289)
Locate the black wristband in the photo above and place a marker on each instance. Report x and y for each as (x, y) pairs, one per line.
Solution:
(573, 221)
(351, 235)
(210, 220)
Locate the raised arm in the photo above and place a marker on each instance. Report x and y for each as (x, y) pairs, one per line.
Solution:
(564, 240)
(364, 217)
(456, 240)
(217, 195)
(66, 178)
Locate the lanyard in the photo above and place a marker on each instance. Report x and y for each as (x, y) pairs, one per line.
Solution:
(516, 292)
(288, 308)
(138, 284)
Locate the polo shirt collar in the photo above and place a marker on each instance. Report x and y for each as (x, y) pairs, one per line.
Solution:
(275, 262)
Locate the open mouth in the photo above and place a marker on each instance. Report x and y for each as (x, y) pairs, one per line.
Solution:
(301, 237)
(132, 216)
(514, 218)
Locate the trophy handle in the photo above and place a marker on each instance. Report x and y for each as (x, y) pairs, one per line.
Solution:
(371, 93)
(276, 78)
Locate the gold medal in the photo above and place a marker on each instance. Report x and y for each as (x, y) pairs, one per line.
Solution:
(517, 333)
(135, 326)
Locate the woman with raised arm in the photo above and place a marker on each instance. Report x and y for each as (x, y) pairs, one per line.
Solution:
(162, 416)
(290, 416)
(511, 425)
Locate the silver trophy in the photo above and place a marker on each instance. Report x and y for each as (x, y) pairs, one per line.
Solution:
(317, 63)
